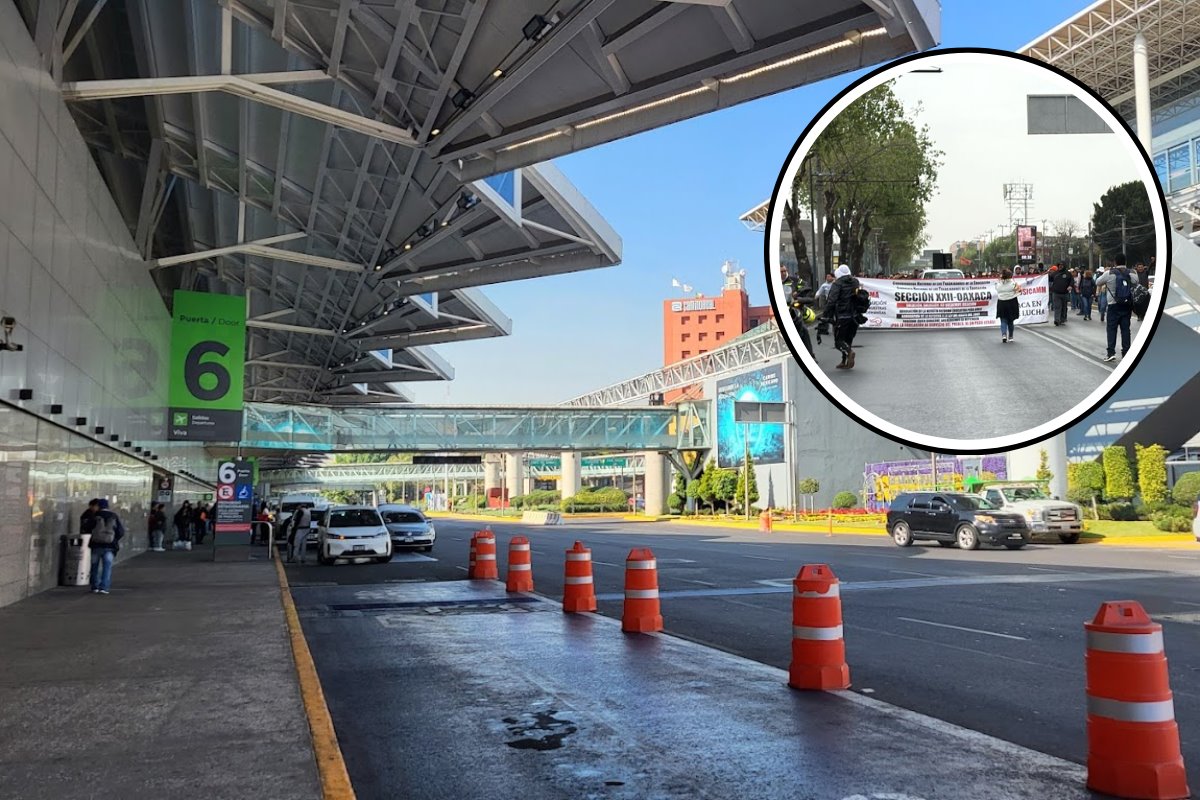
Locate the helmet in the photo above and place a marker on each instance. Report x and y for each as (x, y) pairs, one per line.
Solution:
(810, 316)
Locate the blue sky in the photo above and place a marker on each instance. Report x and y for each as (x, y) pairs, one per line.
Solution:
(674, 195)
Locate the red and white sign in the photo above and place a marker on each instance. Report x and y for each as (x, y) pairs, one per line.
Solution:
(224, 492)
(965, 303)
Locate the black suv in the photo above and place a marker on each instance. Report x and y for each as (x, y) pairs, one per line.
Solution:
(951, 517)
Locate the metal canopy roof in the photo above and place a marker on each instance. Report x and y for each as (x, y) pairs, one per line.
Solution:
(1096, 46)
(356, 167)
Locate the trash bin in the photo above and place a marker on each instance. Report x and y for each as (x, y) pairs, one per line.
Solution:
(76, 559)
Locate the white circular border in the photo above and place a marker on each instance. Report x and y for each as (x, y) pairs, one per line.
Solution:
(926, 441)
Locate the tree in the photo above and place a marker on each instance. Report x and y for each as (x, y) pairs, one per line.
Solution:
(1186, 489)
(707, 489)
(725, 483)
(1118, 477)
(1152, 472)
(1085, 482)
(1131, 200)
(746, 473)
(874, 170)
(693, 494)
(1043, 473)
(808, 486)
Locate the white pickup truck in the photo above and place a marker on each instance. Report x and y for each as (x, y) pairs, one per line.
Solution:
(1044, 513)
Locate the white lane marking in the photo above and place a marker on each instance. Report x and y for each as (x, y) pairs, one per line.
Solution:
(1048, 569)
(538, 552)
(464, 569)
(763, 558)
(1186, 558)
(1191, 618)
(607, 563)
(960, 628)
(1187, 603)
(757, 608)
(919, 574)
(1094, 361)
(689, 580)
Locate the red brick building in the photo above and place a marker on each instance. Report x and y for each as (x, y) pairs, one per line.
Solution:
(693, 326)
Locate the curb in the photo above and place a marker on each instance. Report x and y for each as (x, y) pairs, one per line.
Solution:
(331, 766)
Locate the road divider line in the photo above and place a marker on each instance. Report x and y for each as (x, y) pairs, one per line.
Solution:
(763, 558)
(464, 569)
(608, 564)
(690, 580)
(961, 628)
(1078, 353)
(331, 766)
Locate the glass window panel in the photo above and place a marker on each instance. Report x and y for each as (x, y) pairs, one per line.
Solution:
(1179, 162)
(1160, 169)
(505, 186)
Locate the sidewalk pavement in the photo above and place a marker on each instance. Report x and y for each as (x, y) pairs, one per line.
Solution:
(179, 684)
(1088, 338)
(476, 694)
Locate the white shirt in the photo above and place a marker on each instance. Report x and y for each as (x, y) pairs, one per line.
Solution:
(1006, 289)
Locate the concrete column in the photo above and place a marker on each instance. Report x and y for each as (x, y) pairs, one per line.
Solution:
(1023, 463)
(1141, 89)
(569, 481)
(656, 483)
(528, 483)
(512, 473)
(492, 472)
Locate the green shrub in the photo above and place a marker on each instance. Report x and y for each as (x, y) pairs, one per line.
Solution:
(1120, 512)
(845, 500)
(808, 486)
(675, 502)
(1172, 522)
(1085, 480)
(1148, 510)
(1152, 472)
(470, 502)
(1118, 475)
(1187, 488)
(608, 498)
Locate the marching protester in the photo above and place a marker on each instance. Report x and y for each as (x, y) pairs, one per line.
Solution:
(1087, 290)
(1008, 306)
(1061, 284)
(840, 308)
(1118, 285)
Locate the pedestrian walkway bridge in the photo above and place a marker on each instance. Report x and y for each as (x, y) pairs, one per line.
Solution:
(412, 428)
(366, 476)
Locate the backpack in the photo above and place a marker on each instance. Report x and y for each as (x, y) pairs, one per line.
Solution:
(1141, 301)
(861, 301)
(105, 532)
(1123, 289)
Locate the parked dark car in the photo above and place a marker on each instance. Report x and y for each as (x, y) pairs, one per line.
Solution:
(954, 518)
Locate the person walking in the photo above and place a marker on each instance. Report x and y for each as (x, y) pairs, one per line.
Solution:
(1008, 306)
(183, 522)
(107, 533)
(1118, 285)
(823, 292)
(1087, 291)
(87, 520)
(200, 521)
(156, 526)
(1076, 298)
(1101, 295)
(1060, 294)
(840, 310)
(299, 525)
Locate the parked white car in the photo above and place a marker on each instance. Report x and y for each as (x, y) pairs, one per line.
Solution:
(408, 527)
(356, 533)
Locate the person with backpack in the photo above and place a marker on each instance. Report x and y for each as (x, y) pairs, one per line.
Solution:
(107, 532)
(841, 310)
(1061, 284)
(1118, 284)
(1087, 291)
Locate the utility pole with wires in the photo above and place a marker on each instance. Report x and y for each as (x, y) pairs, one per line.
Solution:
(1123, 239)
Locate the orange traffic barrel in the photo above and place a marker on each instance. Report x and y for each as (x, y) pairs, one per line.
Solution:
(818, 650)
(485, 557)
(579, 593)
(520, 566)
(764, 522)
(1133, 741)
(471, 558)
(641, 612)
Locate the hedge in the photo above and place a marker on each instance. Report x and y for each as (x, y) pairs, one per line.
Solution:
(1173, 522)
(1118, 475)
(1152, 472)
(845, 500)
(1187, 489)
(609, 498)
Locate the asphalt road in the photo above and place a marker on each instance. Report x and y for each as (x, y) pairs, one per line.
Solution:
(991, 640)
(966, 384)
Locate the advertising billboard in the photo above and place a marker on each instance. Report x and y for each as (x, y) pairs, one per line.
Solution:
(1026, 244)
(766, 441)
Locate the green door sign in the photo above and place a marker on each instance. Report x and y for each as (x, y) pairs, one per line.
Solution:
(208, 361)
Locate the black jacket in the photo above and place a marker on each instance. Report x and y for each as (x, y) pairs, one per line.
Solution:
(1087, 287)
(840, 303)
(118, 528)
(1062, 282)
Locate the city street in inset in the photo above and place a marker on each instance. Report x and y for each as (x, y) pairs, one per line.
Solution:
(967, 251)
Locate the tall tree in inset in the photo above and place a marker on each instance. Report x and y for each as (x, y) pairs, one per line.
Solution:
(874, 170)
(1131, 200)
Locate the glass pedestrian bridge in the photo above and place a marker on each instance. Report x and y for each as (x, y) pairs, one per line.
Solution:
(366, 476)
(412, 428)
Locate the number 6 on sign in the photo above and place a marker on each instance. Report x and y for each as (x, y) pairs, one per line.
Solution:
(227, 472)
(194, 369)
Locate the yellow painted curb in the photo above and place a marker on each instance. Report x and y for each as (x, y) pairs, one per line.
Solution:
(335, 780)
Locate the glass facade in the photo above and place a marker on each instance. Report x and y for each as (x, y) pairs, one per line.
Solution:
(1175, 167)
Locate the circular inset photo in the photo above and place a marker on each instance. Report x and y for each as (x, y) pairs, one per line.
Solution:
(967, 251)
